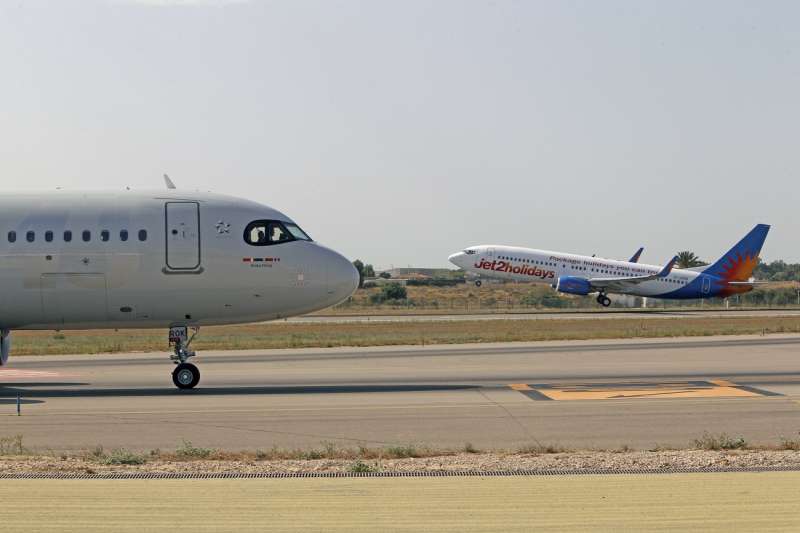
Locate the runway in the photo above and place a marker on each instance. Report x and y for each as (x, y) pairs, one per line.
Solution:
(587, 394)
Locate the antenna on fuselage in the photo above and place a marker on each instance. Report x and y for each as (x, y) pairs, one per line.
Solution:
(169, 183)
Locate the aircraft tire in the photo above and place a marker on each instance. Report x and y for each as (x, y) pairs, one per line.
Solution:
(606, 301)
(186, 376)
(478, 283)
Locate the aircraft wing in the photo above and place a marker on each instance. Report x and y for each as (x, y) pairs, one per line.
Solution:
(621, 284)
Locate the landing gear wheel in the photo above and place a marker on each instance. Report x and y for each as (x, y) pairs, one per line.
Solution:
(606, 301)
(478, 283)
(186, 376)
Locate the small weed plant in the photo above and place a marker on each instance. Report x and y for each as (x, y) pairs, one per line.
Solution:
(12, 445)
(189, 451)
(720, 441)
(361, 466)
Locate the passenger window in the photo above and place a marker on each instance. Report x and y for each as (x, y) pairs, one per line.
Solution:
(48, 236)
(123, 235)
(30, 236)
(67, 236)
(86, 235)
(105, 235)
(12, 236)
(142, 235)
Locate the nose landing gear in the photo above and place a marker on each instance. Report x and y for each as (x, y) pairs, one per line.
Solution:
(186, 375)
(603, 300)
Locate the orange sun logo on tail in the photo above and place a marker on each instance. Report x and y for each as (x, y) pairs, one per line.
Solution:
(738, 268)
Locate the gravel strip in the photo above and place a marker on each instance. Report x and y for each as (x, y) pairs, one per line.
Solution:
(693, 460)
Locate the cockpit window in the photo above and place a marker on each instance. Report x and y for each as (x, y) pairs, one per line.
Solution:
(469, 252)
(268, 232)
(297, 233)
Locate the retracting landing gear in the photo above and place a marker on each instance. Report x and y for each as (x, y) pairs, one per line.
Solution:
(185, 375)
(603, 300)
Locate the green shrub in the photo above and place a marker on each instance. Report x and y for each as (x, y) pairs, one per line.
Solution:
(187, 451)
(361, 466)
(121, 456)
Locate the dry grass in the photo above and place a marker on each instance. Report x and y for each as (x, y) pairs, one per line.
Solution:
(312, 335)
(509, 297)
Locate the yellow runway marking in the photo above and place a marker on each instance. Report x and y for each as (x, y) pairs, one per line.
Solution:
(614, 391)
(714, 392)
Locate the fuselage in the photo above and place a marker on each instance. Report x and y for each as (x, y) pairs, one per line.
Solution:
(129, 259)
(543, 266)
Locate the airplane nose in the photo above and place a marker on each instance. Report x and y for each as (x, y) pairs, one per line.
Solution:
(455, 258)
(342, 278)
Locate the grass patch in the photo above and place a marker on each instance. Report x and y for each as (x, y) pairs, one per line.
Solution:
(720, 441)
(402, 452)
(789, 444)
(541, 449)
(187, 452)
(326, 334)
(12, 446)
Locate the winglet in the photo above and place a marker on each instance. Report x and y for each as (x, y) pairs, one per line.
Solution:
(668, 267)
(636, 256)
(169, 183)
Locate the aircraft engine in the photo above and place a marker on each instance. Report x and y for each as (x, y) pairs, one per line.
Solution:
(573, 285)
(5, 346)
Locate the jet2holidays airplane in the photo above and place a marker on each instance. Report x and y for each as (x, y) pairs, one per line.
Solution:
(582, 275)
(172, 259)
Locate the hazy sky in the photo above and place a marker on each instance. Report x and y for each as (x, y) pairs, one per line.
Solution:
(399, 132)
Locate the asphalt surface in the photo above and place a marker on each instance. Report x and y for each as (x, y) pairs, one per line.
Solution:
(586, 394)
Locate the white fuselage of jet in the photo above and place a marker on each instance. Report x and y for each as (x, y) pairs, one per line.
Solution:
(543, 266)
(177, 259)
(146, 259)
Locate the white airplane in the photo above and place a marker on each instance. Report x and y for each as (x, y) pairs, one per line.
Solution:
(172, 259)
(582, 275)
